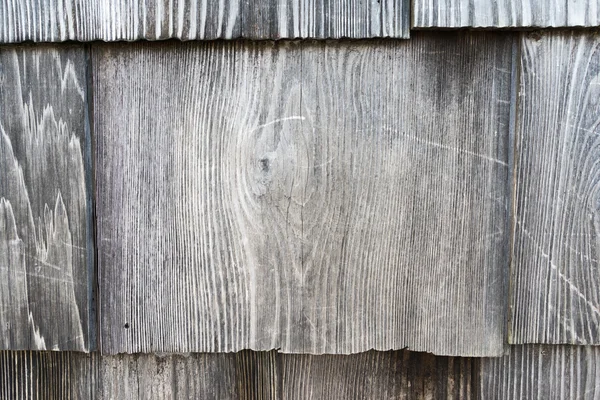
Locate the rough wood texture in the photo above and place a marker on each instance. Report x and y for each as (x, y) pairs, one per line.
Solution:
(375, 375)
(245, 375)
(542, 372)
(109, 20)
(556, 269)
(292, 196)
(46, 256)
(505, 13)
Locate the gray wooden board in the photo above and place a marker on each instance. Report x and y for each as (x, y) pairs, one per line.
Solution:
(110, 20)
(312, 197)
(245, 375)
(505, 13)
(542, 372)
(46, 251)
(556, 268)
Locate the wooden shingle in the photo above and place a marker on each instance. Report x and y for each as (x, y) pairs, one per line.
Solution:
(308, 197)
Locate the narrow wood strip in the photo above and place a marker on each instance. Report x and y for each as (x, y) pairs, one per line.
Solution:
(118, 20)
(46, 251)
(244, 375)
(505, 13)
(556, 262)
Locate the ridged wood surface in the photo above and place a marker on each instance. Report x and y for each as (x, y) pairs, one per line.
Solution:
(110, 20)
(46, 256)
(308, 197)
(245, 375)
(542, 372)
(556, 269)
(505, 13)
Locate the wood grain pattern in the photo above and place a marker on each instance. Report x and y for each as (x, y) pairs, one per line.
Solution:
(110, 20)
(541, 372)
(46, 255)
(292, 196)
(505, 13)
(244, 375)
(376, 375)
(556, 271)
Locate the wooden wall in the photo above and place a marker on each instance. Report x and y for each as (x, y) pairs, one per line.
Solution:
(252, 219)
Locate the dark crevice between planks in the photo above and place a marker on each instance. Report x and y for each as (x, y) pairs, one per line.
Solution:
(94, 317)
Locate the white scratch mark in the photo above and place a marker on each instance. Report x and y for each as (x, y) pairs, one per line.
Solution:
(572, 286)
(455, 149)
(73, 246)
(318, 165)
(40, 276)
(55, 267)
(275, 121)
(502, 70)
(566, 326)
(581, 254)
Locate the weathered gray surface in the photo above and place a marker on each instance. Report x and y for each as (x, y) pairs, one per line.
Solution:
(556, 270)
(375, 375)
(45, 255)
(245, 375)
(505, 13)
(293, 196)
(109, 20)
(542, 372)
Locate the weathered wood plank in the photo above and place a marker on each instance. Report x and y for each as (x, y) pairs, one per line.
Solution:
(46, 255)
(244, 375)
(505, 13)
(542, 372)
(376, 375)
(556, 272)
(110, 20)
(325, 19)
(293, 196)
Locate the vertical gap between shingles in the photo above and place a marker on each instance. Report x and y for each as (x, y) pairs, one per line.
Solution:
(90, 178)
(513, 159)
